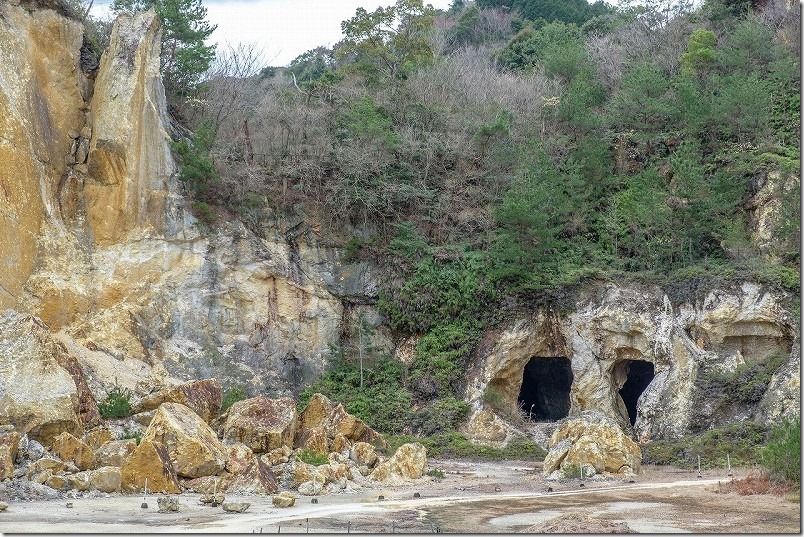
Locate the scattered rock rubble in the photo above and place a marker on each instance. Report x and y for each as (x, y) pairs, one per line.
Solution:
(258, 446)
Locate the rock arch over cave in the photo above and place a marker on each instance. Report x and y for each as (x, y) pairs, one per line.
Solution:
(545, 391)
(638, 375)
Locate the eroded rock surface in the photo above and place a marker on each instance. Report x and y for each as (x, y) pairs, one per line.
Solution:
(594, 442)
(151, 461)
(613, 330)
(261, 423)
(37, 396)
(192, 445)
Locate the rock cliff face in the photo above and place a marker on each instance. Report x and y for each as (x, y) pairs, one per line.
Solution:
(96, 241)
(632, 354)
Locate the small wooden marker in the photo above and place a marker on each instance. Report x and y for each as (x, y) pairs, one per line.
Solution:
(728, 463)
(582, 483)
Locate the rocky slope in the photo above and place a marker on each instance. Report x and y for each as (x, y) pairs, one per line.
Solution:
(108, 279)
(98, 243)
(612, 327)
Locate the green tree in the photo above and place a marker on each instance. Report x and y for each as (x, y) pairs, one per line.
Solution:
(642, 102)
(638, 223)
(558, 47)
(700, 52)
(312, 65)
(782, 456)
(185, 56)
(537, 241)
(703, 206)
(390, 41)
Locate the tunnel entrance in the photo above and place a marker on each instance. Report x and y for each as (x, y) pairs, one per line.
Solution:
(546, 382)
(639, 374)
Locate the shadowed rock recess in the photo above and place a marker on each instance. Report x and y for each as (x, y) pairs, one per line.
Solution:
(108, 284)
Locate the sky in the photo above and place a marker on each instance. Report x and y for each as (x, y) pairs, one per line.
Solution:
(282, 29)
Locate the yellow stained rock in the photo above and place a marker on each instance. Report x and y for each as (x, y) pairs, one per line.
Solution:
(363, 454)
(69, 448)
(97, 438)
(239, 457)
(149, 461)
(106, 479)
(9, 444)
(261, 423)
(202, 396)
(114, 452)
(192, 445)
(408, 462)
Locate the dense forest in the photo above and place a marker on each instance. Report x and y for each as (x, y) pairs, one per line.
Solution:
(502, 154)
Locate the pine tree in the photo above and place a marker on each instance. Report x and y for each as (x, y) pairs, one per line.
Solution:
(185, 57)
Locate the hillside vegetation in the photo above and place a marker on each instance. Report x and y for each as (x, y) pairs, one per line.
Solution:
(505, 152)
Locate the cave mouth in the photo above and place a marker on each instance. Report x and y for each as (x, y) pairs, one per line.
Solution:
(639, 374)
(545, 392)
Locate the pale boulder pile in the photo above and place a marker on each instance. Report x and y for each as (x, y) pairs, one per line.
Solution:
(257, 446)
(594, 442)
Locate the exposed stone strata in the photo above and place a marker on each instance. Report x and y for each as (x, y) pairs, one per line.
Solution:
(37, 395)
(129, 162)
(616, 324)
(104, 252)
(41, 101)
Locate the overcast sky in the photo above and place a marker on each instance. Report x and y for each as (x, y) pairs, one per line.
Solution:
(283, 29)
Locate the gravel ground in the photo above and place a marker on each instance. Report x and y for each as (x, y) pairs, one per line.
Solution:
(473, 497)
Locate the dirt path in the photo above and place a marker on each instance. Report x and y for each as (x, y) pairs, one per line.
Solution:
(473, 497)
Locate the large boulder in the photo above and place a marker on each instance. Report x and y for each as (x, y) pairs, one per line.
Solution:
(106, 479)
(37, 395)
(202, 396)
(255, 478)
(363, 454)
(192, 445)
(97, 437)
(325, 426)
(43, 464)
(114, 452)
(284, 499)
(407, 462)
(9, 444)
(261, 423)
(151, 462)
(69, 448)
(596, 443)
(238, 457)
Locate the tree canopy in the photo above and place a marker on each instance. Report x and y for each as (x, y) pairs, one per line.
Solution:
(185, 56)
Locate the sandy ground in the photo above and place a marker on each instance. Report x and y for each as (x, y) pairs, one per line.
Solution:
(473, 497)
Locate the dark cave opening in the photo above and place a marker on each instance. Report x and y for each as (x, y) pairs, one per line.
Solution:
(545, 391)
(639, 374)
